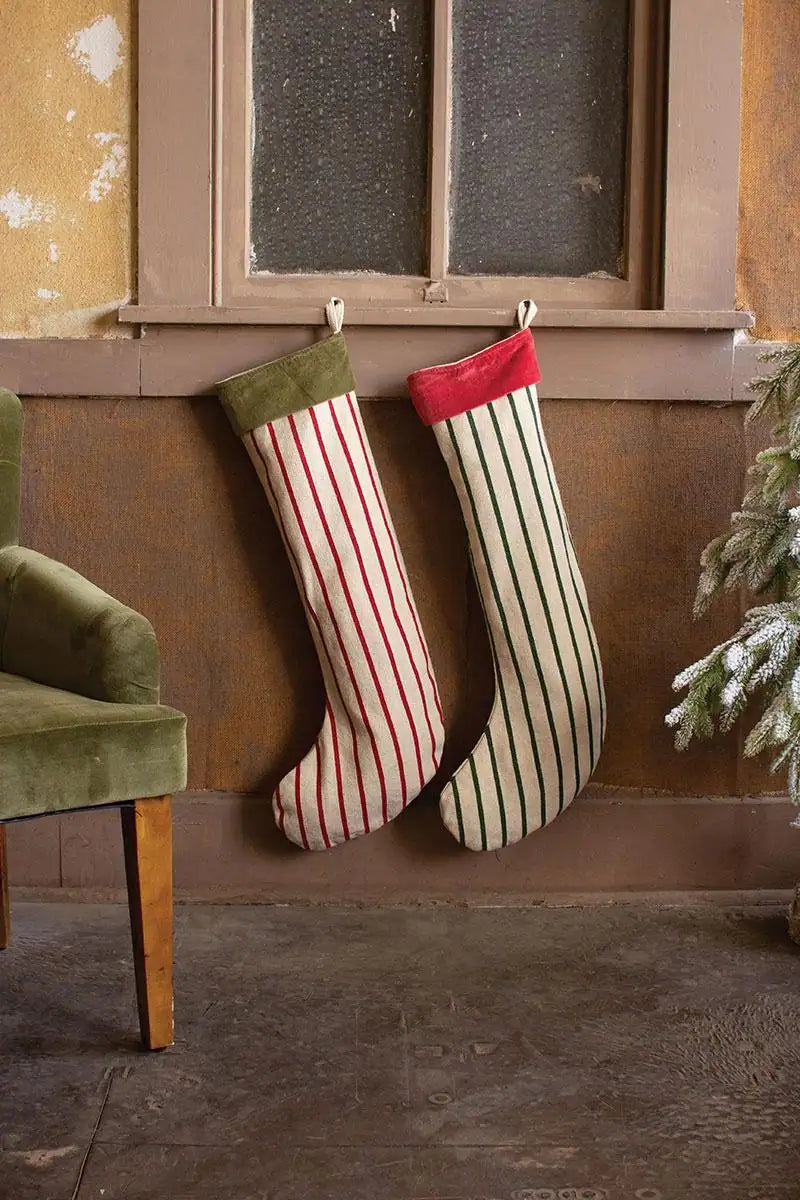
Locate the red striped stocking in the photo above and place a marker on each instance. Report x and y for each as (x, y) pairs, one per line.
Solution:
(382, 734)
(544, 735)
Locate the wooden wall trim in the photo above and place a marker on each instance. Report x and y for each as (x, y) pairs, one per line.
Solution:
(702, 169)
(227, 848)
(596, 364)
(748, 365)
(175, 153)
(70, 367)
(423, 315)
(601, 364)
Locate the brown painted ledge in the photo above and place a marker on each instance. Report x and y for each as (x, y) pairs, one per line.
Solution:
(70, 366)
(579, 362)
(424, 315)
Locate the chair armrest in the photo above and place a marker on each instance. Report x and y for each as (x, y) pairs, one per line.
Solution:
(58, 629)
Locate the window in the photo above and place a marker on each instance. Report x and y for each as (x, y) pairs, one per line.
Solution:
(432, 161)
(447, 152)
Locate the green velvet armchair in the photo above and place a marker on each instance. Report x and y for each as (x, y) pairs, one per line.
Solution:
(81, 727)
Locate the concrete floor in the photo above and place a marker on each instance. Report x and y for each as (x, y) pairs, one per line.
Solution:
(607, 1053)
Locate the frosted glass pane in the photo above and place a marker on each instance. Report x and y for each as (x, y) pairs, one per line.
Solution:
(540, 133)
(340, 153)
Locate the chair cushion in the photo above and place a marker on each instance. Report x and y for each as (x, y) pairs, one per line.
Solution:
(60, 751)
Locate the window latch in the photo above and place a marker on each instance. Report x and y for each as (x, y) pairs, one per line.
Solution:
(435, 292)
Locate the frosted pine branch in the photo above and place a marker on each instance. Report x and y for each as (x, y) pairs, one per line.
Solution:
(762, 659)
(760, 664)
(760, 551)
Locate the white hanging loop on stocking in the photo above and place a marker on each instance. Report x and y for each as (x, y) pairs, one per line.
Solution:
(334, 311)
(526, 311)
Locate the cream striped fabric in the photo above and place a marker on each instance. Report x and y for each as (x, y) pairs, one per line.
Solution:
(547, 725)
(382, 735)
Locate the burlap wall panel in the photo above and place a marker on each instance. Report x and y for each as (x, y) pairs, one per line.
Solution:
(769, 199)
(646, 486)
(157, 502)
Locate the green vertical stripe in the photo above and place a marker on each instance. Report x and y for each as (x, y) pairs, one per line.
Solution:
(565, 535)
(496, 773)
(540, 586)
(479, 794)
(557, 573)
(459, 817)
(477, 786)
(504, 622)
(524, 612)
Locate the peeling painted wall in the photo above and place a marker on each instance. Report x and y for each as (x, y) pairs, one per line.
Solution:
(65, 195)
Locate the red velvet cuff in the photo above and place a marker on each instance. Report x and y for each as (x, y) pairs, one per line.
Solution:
(447, 391)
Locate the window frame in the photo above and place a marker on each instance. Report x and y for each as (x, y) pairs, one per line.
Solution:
(415, 294)
(193, 201)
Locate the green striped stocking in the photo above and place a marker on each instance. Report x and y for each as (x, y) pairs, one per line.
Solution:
(546, 728)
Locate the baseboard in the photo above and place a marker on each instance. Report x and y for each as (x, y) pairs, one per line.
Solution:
(617, 843)
(759, 901)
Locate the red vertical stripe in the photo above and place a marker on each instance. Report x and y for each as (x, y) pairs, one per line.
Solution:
(393, 542)
(354, 616)
(323, 828)
(367, 585)
(320, 579)
(280, 808)
(313, 616)
(338, 766)
(299, 807)
(379, 555)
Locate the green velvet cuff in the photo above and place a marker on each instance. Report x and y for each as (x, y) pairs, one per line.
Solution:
(10, 440)
(288, 385)
(58, 629)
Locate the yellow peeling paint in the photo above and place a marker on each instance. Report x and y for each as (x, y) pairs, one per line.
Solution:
(65, 155)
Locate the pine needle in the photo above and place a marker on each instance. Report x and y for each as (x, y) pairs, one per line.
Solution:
(761, 552)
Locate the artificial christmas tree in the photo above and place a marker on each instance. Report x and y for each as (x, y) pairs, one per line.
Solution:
(761, 552)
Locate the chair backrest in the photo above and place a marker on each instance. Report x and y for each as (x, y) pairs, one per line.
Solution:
(10, 445)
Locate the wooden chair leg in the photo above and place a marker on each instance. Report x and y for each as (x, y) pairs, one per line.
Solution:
(147, 839)
(5, 912)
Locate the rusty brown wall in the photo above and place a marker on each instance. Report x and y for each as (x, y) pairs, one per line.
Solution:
(769, 197)
(157, 502)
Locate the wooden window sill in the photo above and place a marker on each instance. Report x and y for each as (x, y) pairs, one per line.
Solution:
(435, 315)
